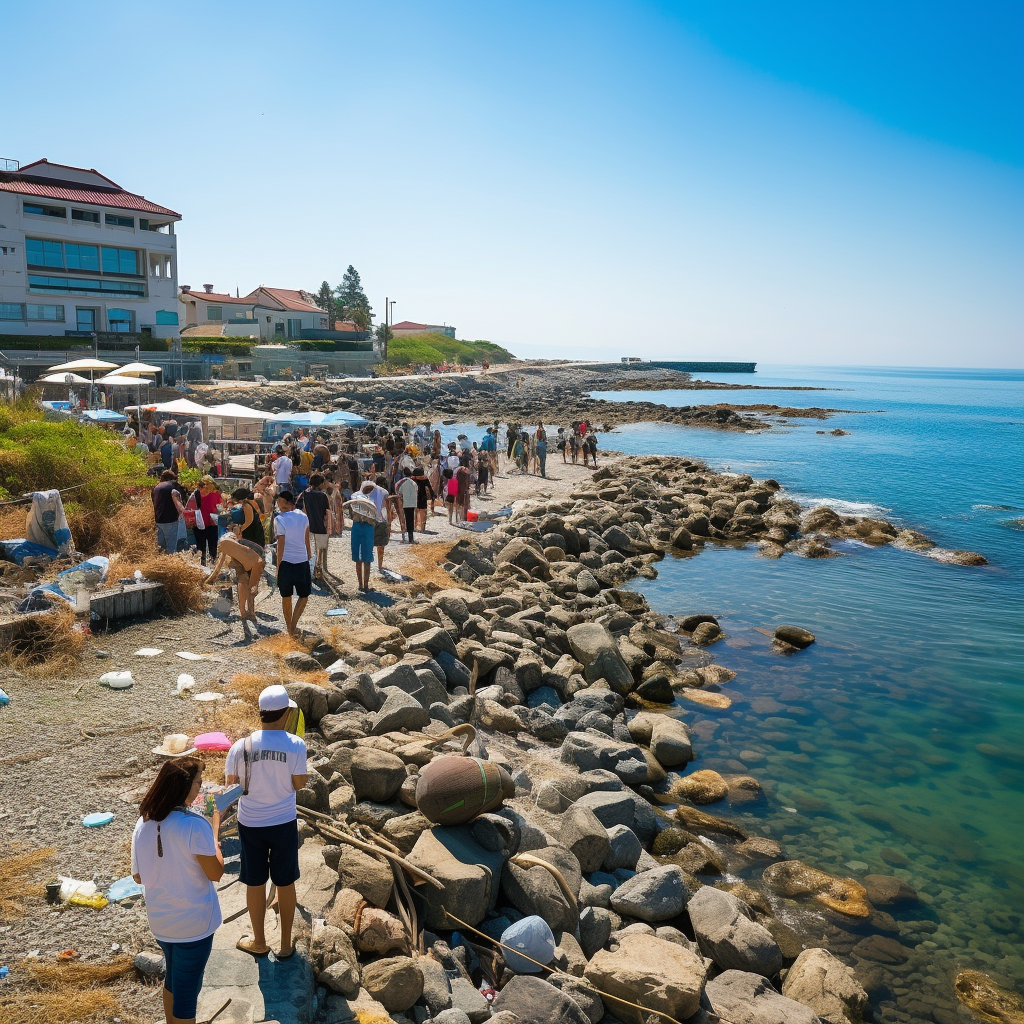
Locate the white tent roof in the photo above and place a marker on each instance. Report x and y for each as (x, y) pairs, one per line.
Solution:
(118, 379)
(134, 369)
(178, 406)
(61, 378)
(232, 410)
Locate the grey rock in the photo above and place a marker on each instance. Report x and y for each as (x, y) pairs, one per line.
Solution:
(533, 890)
(434, 640)
(624, 848)
(745, 998)
(610, 808)
(312, 700)
(150, 965)
(399, 711)
(595, 649)
(656, 895)
(580, 831)
(595, 928)
(376, 775)
(396, 982)
(532, 999)
(830, 988)
(363, 690)
(586, 751)
(726, 933)
(455, 671)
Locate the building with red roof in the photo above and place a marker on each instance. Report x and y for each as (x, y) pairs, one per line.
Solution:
(80, 255)
(405, 328)
(271, 314)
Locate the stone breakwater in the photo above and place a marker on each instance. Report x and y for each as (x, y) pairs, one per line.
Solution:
(578, 691)
(527, 394)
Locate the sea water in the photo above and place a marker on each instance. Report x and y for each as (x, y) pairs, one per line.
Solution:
(895, 744)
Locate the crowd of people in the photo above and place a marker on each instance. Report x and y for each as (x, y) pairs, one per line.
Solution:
(315, 484)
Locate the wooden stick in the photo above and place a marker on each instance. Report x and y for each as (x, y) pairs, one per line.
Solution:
(335, 833)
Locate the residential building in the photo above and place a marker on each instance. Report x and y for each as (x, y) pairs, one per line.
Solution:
(408, 327)
(272, 314)
(81, 255)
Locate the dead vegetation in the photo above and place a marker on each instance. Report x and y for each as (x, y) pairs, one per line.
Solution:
(184, 582)
(129, 531)
(64, 993)
(50, 642)
(425, 561)
(17, 873)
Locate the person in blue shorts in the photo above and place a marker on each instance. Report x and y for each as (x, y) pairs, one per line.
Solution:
(362, 511)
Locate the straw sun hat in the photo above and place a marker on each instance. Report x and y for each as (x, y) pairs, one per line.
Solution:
(174, 744)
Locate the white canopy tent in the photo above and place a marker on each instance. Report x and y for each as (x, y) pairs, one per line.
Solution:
(138, 369)
(84, 364)
(236, 411)
(119, 380)
(62, 378)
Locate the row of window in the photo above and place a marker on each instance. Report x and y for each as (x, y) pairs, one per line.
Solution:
(118, 220)
(128, 289)
(41, 252)
(30, 311)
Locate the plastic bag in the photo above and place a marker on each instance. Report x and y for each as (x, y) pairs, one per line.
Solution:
(531, 936)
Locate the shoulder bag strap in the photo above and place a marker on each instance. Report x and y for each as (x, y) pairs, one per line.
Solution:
(247, 757)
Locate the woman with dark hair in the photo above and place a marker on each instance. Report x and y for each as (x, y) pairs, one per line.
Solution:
(176, 858)
(246, 517)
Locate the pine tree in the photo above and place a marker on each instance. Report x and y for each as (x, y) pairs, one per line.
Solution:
(325, 300)
(352, 301)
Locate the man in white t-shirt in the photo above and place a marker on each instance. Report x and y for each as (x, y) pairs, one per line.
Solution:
(270, 765)
(283, 471)
(294, 550)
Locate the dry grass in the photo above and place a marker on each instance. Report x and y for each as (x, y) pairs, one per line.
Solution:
(65, 993)
(279, 644)
(129, 531)
(13, 521)
(50, 643)
(184, 583)
(423, 561)
(16, 886)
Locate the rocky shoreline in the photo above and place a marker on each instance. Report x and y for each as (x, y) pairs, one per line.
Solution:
(527, 394)
(573, 686)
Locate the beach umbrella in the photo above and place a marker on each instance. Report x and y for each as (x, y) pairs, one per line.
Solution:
(343, 419)
(84, 364)
(117, 379)
(138, 369)
(299, 419)
(62, 378)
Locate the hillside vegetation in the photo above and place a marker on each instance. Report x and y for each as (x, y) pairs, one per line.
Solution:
(438, 348)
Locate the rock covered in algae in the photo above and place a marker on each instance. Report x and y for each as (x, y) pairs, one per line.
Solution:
(794, 878)
(988, 1000)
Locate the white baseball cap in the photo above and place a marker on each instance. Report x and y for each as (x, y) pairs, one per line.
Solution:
(275, 698)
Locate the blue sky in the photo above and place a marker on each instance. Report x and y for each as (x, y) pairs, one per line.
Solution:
(787, 182)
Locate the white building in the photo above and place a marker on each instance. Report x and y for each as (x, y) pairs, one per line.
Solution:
(79, 254)
(271, 314)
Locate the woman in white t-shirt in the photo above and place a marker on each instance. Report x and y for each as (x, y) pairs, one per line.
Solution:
(176, 858)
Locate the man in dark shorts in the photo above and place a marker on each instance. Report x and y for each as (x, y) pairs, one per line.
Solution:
(316, 503)
(168, 510)
(294, 550)
(270, 765)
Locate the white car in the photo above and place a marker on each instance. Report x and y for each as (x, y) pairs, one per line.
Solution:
(260, 380)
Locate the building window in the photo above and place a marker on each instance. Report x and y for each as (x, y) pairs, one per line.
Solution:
(120, 320)
(118, 221)
(39, 210)
(120, 261)
(85, 320)
(90, 216)
(214, 313)
(166, 318)
(81, 257)
(45, 312)
(245, 367)
(294, 328)
(12, 311)
(41, 253)
(127, 289)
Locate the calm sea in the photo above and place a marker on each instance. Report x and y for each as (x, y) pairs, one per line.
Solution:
(896, 743)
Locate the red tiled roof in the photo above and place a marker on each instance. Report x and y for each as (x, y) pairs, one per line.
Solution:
(289, 298)
(245, 300)
(346, 325)
(408, 325)
(117, 200)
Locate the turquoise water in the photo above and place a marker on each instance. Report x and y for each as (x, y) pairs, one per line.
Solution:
(899, 734)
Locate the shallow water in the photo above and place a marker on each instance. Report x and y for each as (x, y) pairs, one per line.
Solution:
(899, 732)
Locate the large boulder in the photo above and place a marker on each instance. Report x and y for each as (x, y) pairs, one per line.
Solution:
(532, 889)
(532, 999)
(795, 636)
(661, 975)
(522, 553)
(395, 982)
(399, 711)
(793, 878)
(376, 774)
(727, 934)
(830, 988)
(581, 832)
(434, 639)
(373, 879)
(585, 751)
(743, 998)
(311, 699)
(658, 894)
(670, 742)
(595, 649)
(469, 873)
(704, 787)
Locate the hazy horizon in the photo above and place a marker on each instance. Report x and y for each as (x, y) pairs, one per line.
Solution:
(788, 183)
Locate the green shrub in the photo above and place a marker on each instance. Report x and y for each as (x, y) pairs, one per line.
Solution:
(219, 346)
(58, 343)
(439, 348)
(36, 455)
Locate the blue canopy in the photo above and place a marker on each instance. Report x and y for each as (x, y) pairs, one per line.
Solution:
(103, 415)
(343, 419)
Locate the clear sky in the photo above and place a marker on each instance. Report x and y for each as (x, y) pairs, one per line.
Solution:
(823, 182)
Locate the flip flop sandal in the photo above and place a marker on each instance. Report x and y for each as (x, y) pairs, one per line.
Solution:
(285, 956)
(248, 945)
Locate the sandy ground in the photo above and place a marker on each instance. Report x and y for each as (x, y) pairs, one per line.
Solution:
(71, 746)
